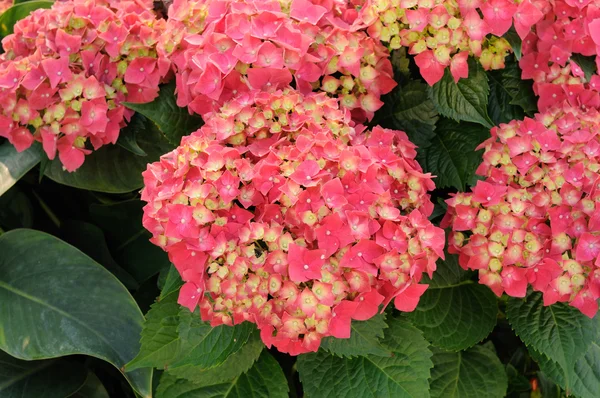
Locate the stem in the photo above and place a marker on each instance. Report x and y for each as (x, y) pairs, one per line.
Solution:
(47, 209)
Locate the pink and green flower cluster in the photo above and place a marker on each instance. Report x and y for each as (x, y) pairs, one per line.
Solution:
(221, 48)
(535, 219)
(444, 33)
(569, 28)
(67, 70)
(283, 212)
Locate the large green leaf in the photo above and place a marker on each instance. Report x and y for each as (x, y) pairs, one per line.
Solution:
(404, 374)
(172, 282)
(160, 340)
(112, 168)
(476, 372)
(10, 17)
(93, 388)
(515, 41)
(129, 134)
(16, 210)
(451, 157)
(455, 313)
(560, 332)
(205, 346)
(14, 165)
(410, 102)
(583, 380)
(466, 100)
(364, 339)
(264, 380)
(500, 108)
(128, 240)
(409, 109)
(56, 301)
(173, 121)
(39, 379)
(90, 239)
(521, 91)
(236, 364)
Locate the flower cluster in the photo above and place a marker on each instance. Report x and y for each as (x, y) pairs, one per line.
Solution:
(66, 71)
(282, 212)
(568, 28)
(222, 48)
(443, 33)
(536, 218)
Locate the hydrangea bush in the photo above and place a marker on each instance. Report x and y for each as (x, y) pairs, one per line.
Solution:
(65, 73)
(320, 198)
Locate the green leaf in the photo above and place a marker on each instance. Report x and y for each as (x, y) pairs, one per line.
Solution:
(560, 332)
(128, 135)
(205, 346)
(236, 364)
(93, 388)
(520, 90)
(264, 380)
(56, 301)
(113, 169)
(411, 102)
(173, 121)
(10, 17)
(451, 157)
(517, 382)
(466, 100)
(172, 283)
(160, 340)
(588, 64)
(455, 313)
(409, 109)
(419, 133)
(500, 108)
(476, 372)
(583, 380)
(14, 165)
(39, 379)
(90, 239)
(128, 240)
(512, 37)
(548, 389)
(364, 339)
(400, 62)
(404, 374)
(16, 210)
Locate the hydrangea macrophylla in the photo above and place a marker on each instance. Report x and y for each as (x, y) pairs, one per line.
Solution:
(221, 48)
(280, 211)
(568, 28)
(67, 69)
(535, 219)
(443, 33)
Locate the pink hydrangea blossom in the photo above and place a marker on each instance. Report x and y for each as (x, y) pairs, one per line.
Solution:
(283, 212)
(443, 34)
(568, 28)
(534, 220)
(219, 49)
(66, 71)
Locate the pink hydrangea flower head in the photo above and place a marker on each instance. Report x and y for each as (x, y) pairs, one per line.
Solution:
(67, 69)
(220, 49)
(534, 220)
(283, 212)
(444, 33)
(567, 29)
